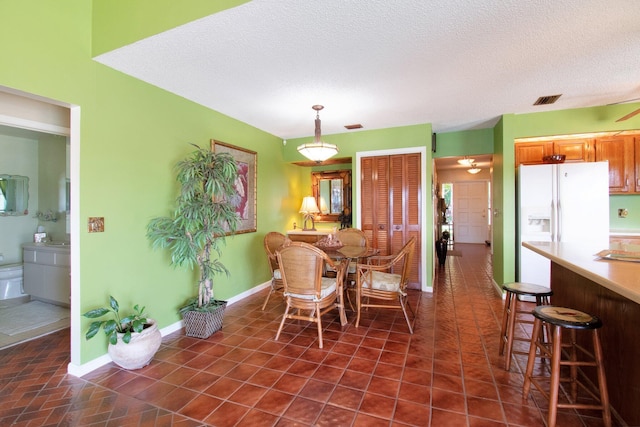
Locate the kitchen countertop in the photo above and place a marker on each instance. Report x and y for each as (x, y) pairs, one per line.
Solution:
(621, 277)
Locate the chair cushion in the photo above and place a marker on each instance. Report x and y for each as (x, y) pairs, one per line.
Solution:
(276, 274)
(383, 281)
(328, 287)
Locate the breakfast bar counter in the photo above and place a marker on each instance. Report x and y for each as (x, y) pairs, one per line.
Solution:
(609, 289)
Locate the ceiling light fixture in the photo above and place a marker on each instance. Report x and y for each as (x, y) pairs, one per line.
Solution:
(317, 150)
(466, 161)
(474, 169)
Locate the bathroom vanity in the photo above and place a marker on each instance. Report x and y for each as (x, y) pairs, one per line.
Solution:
(47, 272)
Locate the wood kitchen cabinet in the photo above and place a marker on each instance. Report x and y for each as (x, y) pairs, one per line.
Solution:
(619, 152)
(575, 150)
(532, 153)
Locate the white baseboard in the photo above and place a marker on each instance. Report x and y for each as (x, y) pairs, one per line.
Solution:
(92, 365)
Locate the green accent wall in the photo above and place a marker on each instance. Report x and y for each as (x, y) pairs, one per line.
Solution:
(464, 143)
(139, 19)
(131, 136)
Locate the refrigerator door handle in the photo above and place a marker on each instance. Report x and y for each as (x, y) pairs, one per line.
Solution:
(552, 224)
(559, 219)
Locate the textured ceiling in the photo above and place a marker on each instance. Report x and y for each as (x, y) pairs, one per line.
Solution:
(458, 64)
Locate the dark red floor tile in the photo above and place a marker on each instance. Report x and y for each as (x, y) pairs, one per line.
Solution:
(447, 373)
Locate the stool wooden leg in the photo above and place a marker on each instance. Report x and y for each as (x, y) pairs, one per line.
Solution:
(555, 376)
(505, 322)
(573, 367)
(535, 338)
(602, 380)
(511, 329)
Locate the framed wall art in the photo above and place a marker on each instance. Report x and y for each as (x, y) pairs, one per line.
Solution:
(246, 183)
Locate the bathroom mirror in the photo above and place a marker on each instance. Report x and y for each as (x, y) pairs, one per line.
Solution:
(14, 195)
(332, 190)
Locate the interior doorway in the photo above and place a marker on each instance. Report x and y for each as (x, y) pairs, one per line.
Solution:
(469, 211)
(36, 115)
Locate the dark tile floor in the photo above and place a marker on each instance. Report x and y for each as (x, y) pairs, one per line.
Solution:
(447, 374)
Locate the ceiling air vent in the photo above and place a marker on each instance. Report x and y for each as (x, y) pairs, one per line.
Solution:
(546, 100)
(355, 126)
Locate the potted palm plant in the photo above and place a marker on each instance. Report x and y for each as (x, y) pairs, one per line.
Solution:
(195, 233)
(133, 339)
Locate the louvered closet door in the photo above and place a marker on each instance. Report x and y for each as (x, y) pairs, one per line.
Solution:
(374, 206)
(390, 205)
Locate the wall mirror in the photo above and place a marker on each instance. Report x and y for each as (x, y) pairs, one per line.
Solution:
(332, 190)
(14, 195)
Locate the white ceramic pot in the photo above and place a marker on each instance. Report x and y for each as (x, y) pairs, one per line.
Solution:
(140, 350)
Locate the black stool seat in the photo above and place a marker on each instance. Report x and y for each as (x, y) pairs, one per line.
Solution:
(566, 317)
(529, 289)
(571, 355)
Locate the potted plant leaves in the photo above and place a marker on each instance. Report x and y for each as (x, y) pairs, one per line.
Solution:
(195, 233)
(133, 339)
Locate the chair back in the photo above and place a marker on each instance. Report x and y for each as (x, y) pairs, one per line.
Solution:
(301, 266)
(272, 242)
(352, 237)
(407, 252)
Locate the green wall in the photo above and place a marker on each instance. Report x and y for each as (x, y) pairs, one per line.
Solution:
(131, 136)
(139, 19)
(464, 143)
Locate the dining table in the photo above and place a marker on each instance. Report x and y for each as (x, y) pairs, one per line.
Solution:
(352, 254)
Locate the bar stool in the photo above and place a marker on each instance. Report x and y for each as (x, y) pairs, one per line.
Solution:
(560, 318)
(511, 312)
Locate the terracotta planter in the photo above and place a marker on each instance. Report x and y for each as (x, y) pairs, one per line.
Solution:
(140, 350)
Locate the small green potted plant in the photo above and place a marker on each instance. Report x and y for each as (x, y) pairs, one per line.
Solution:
(195, 233)
(133, 339)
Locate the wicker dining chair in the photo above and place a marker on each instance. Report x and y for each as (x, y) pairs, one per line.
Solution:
(351, 237)
(387, 289)
(307, 293)
(272, 242)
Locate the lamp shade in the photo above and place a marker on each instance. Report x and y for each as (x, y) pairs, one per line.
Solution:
(309, 205)
(318, 151)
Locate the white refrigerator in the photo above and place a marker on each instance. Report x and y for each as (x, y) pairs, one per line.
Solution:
(567, 202)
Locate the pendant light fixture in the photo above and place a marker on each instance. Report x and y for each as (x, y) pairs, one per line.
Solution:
(317, 150)
(474, 169)
(466, 161)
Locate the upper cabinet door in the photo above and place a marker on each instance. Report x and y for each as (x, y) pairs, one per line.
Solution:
(619, 152)
(532, 153)
(576, 150)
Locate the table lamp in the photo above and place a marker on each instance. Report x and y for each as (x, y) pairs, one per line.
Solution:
(309, 208)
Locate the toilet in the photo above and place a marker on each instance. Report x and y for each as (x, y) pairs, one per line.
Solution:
(11, 281)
